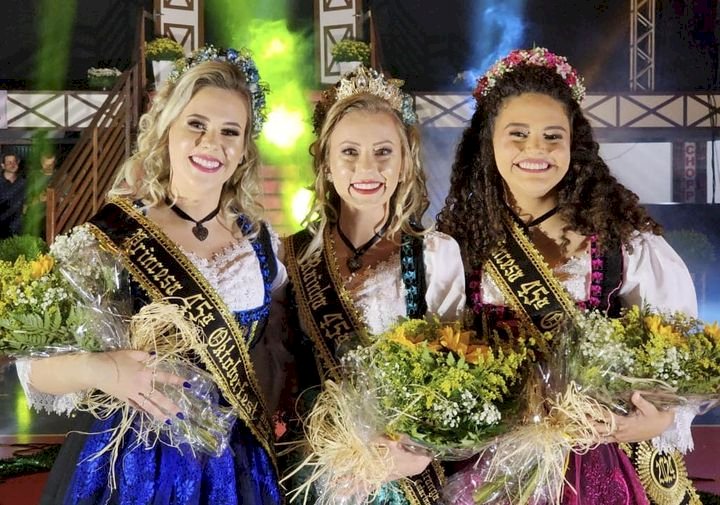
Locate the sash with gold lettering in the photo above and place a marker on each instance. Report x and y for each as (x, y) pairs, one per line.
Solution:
(330, 318)
(166, 274)
(538, 298)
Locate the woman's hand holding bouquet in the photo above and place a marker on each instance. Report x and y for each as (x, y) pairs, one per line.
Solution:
(75, 301)
(434, 388)
(607, 380)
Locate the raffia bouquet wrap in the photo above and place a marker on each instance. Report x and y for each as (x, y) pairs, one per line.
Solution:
(77, 298)
(434, 387)
(673, 360)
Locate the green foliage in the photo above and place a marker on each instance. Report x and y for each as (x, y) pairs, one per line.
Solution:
(33, 331)
(164, 48)
(21, 245)
(351, 50)
(437, 383)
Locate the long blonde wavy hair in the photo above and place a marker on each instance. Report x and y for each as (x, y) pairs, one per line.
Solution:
(408, 203)
(147, 173)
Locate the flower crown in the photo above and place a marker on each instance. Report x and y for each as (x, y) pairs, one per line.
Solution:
(242, 59)
(365, 80)
(538, 56)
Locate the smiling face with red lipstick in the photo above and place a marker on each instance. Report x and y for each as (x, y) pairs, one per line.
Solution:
(207, 142)
(531, 141)
(365, 159)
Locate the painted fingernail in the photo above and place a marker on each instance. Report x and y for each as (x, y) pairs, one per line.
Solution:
(180, 416)
(168, 422)
(187, 385)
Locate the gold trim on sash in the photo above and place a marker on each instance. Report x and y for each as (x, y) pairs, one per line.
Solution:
(531, 285)
(327, 312)
(424, 488)
(148, 254)
(329, 316)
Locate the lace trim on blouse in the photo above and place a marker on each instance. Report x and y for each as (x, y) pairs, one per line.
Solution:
(234, 273)
(380, 296)
(574, 274)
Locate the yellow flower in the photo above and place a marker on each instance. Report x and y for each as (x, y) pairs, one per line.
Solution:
(475, 353)
(399, 336)
(713, 331)
(41, 266)
(666, 332)
(459, 343)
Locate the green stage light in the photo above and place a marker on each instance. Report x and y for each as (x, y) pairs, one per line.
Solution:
(301, 202)
(23, 416)
(284, 127)
(285, 61)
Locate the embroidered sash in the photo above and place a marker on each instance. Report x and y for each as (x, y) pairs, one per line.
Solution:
(166, 274)
(537, 297)
(329, 316)
(324, 306)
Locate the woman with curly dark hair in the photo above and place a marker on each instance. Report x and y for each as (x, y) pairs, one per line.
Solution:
(544, 227)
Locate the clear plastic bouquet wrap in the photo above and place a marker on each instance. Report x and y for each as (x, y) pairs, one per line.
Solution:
(76, 298)
(433, 387)
(673, 360)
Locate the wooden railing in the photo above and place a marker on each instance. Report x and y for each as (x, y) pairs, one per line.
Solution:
(78, 187)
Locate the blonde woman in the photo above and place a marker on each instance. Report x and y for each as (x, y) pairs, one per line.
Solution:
(187, 198)
(364, 261)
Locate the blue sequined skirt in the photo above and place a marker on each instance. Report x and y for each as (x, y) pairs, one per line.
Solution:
(160, 475)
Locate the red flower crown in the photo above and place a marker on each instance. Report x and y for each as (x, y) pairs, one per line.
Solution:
(538, 56)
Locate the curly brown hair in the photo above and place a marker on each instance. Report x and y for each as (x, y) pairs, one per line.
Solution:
(590, 199)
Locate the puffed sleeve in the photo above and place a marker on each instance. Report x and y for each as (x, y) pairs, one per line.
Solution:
(654, 274)
(445, 277)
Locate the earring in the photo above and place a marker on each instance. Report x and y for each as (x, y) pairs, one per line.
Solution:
(328, 176)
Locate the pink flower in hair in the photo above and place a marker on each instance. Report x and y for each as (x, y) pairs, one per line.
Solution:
(538, 56)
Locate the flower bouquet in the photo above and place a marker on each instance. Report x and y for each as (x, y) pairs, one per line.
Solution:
(434, 387)
(672, 359)
(76, 298)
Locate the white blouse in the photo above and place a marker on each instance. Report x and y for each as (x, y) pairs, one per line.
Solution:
(233, 272)
(380, 296)
(653, 273)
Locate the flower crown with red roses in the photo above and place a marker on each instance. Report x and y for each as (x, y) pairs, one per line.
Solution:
(538, 56)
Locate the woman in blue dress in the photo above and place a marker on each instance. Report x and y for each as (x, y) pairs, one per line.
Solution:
(186, 198)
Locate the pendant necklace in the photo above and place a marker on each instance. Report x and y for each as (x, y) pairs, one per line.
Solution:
(354, 262)
(200, 232)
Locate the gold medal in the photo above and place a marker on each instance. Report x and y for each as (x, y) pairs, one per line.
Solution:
(663, 475)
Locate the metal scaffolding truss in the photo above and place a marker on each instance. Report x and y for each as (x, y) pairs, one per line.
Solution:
(642, 45)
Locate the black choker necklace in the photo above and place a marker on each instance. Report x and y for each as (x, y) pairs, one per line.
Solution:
(535, 221)
(198, 230)
(354, 262)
